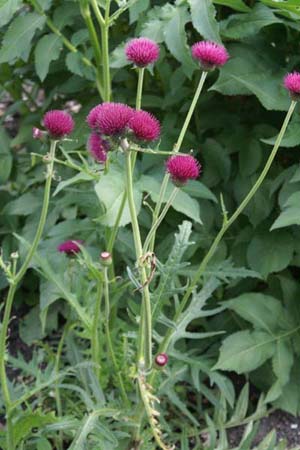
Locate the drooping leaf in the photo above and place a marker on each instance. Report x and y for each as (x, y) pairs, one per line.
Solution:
(204, 19)
(48, 49)
(283, 361)
(290, 214)
(17, 39)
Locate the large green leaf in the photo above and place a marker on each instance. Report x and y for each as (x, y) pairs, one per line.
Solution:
(238, 5)
(176, 40)
(291, 137)
(5, 156)
(290, 214)
(285, 5)
(204, 19)
(48, 49)
(283, 361)
(183, 203)
(238, 26)
(17, 39)
(110, 190)
(245, 351)
(270, 252)
(8, 9)
(262, 311)
(30, 420)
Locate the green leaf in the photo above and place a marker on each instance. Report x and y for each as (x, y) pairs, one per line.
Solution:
(204, 19)
(199, 190)
(290, 398)
(25, 205)
(110, 190)
(76, 65)
(245, 351)
(283, 360)
(29, 420)
(8, 9)
(217, 163)
(262, 311)
(270, 252)
(285, 5)
(80, 177)
(238, 5)
(176, 40)
(136, 9)
(17, 39)
(290, 214)
(183, 203)
(291, 137)
(48, 49)
(5, 155)
(238, 26)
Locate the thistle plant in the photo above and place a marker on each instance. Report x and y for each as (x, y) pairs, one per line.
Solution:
(119, 130)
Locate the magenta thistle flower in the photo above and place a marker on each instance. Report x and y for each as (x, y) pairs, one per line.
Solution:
(182, 168)
(92, 116)
(292, 84)
(98, 147)
(161, 359)
(112, 118)
(144, 126)
(210, 54)
(70, 247)
(58, 123)
(142, 51)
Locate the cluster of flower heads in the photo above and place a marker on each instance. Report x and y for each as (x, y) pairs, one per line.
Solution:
(110, 122)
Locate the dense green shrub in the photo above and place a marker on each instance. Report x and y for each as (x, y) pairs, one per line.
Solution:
(48, 61)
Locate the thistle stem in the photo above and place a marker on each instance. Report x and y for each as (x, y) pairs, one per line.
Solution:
(95, 329)
(145, 341)
(109, 340)
(226, 224)
(160, 219)
(176, 149)
(11, 293)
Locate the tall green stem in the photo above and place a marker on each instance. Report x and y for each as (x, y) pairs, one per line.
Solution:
(11, 293)
(227, 223)
(95, 330)
(138, 103)
(109, 340)
(176, 149)
(145, 341)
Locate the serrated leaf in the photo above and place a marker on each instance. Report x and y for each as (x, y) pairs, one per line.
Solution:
(245, 351)
(48, 49)
(270, 252)
(17, 39)
(75, 65)
(29, 420)
(204, 19)
(290, 214)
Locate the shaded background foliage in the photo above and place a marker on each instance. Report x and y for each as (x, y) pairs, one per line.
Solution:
(236, 121)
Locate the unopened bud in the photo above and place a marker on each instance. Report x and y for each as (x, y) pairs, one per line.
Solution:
(106, 258)
(14, 255)
(161, 359)
(38, 134)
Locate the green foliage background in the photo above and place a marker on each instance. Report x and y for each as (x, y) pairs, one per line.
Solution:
(235, 123)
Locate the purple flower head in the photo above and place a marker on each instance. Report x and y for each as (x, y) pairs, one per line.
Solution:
(142, 51)
(182, 168)
(112, 118)
(70, 247)
(98, 147)
(58, 123)
(210, 54)
(92, 116)
(144, 126)
(292, 84)
(161, 359)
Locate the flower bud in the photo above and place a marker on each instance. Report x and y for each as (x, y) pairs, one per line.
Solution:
(161, 359)
(106, 259)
